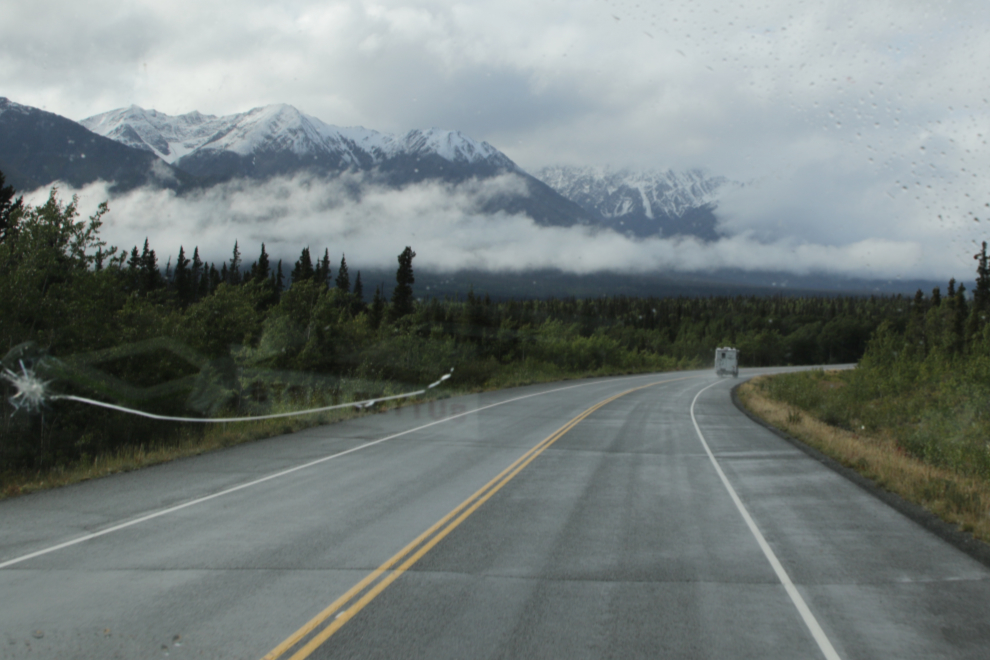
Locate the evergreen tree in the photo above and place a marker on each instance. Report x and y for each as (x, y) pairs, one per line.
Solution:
(303, 269)
(10, 210)
(358, 288)
(261, 270)
(215, 278)
(377, 311)
(183, 278)
(204, 286)
(196, 274)
(234, 272)
(322, 274)
(402, 295)
(936, 297)
(343, 277)
(915, 331)
(134, 270)
(962, 312)
(279, 280)
(981, 295)
(357, 296)
(151, 277)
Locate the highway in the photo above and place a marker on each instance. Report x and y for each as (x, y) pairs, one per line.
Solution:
(630, 517)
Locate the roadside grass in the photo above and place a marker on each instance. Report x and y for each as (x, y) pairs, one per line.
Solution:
(193, 440)
(960, 499)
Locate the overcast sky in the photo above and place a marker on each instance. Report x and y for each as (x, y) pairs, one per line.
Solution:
(852, 123)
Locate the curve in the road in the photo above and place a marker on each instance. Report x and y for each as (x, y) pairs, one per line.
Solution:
(802, 607)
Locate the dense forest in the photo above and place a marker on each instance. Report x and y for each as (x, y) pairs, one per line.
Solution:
(193, 339)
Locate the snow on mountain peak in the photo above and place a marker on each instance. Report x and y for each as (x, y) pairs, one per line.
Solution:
(280, 128)
(614, 193)
(168, 137)
(450, 145)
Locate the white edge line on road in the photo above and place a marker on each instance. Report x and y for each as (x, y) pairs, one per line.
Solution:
(802, 607)
(200, 500)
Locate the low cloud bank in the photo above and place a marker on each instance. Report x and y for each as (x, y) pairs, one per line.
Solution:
(444, 223)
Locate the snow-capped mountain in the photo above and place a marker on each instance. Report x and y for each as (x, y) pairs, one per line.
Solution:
(169, 138)
(135, 147)
(279, 139)
(39, 147)
(644, 203)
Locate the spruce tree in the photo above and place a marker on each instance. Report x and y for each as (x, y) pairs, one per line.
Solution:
(343, 277)
(279, 280)
(322, 274)
(234, 272)
(402, 295)
(183, 278)
(377, 311)
(196, 274)
(151, 277)
(134, 270)
(215, 278)
(261, 270)
(303, 269)
(962, 311)
(10, 210)
(358, 288)
(981, 295)
(914, 334)
(204, 287)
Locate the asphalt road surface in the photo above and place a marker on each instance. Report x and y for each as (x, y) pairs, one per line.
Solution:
(553, 521)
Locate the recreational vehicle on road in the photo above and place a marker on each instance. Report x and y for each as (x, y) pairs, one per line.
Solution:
(727, 362)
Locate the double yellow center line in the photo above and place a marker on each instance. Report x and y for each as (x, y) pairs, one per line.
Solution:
(308, 638)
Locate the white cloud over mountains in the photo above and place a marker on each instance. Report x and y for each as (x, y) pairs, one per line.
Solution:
(444, 224)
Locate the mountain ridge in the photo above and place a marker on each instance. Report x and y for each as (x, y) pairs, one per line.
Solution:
(38, 147)
(279, 140)
(643, 203)
(134, 146)
(283, 128)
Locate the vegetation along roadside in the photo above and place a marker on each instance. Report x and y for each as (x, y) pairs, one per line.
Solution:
(913, 415)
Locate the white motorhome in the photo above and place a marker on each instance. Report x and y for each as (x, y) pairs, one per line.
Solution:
(727, 362)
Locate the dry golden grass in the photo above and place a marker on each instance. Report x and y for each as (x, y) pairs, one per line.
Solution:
(960, 500)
